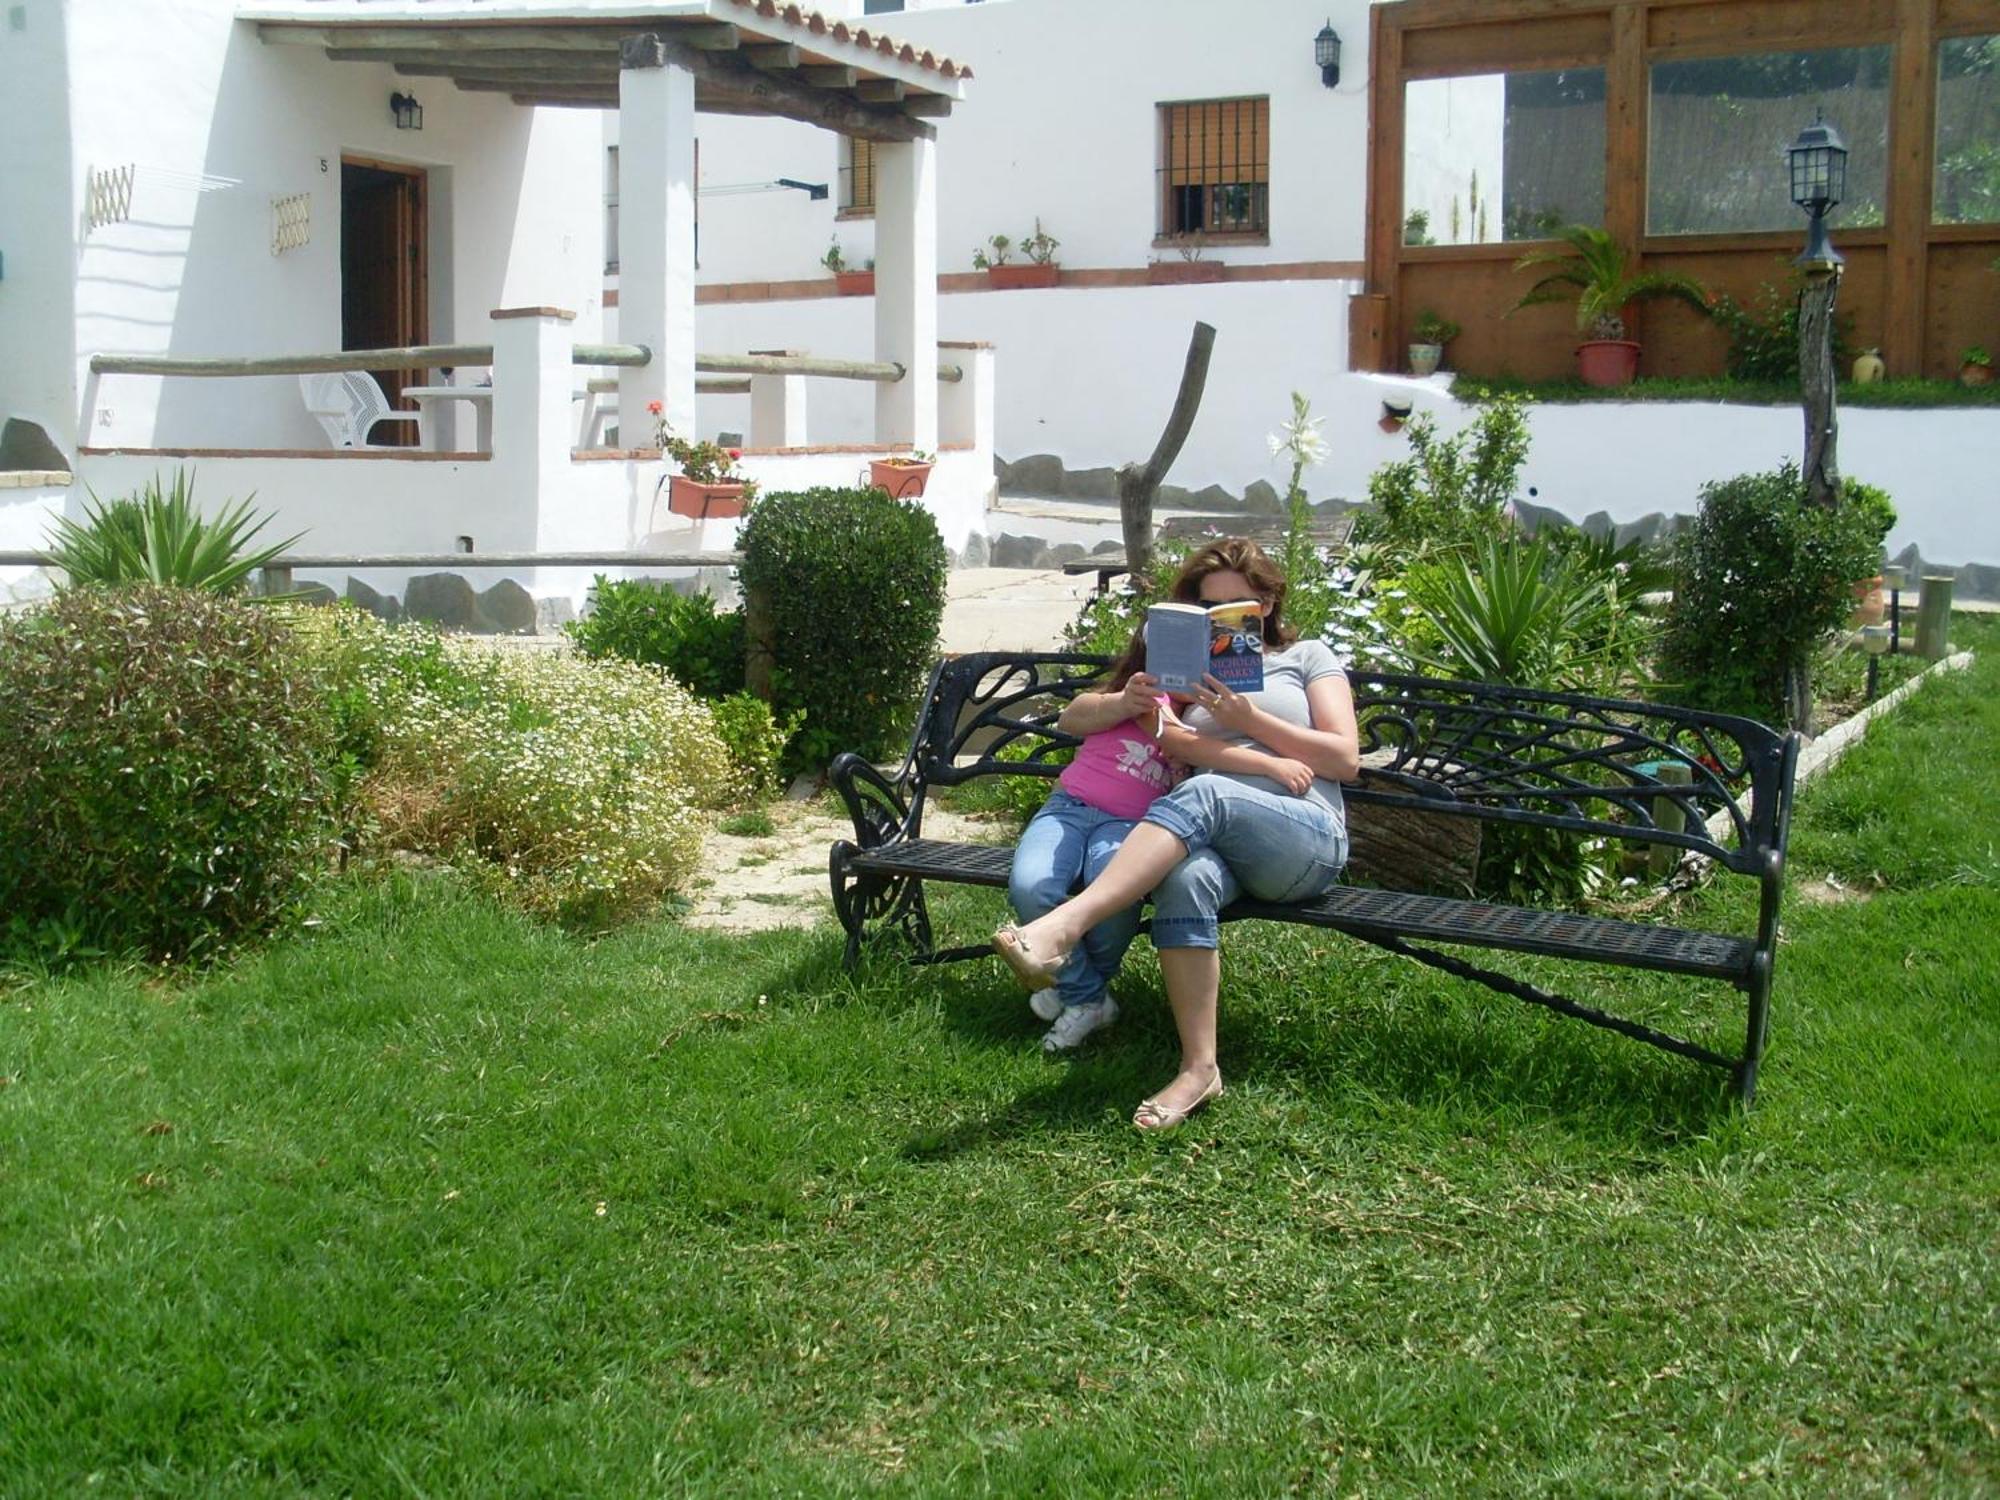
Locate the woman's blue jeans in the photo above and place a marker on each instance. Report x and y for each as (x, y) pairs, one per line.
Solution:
(1239, 838)
(1063, 848)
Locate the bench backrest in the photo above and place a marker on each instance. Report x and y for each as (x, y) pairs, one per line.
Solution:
(1591, 766)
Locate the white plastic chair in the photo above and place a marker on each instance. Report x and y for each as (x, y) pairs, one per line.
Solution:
(349, 404)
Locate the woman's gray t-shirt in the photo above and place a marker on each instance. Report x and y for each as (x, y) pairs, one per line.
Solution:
(1287, 674)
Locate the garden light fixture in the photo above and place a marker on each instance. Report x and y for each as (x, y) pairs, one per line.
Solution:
(1326, 52)
(409, 114)
(1818, 160)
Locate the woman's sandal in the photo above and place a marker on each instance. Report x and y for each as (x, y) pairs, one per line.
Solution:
(1152, 1115)
(1018, 956)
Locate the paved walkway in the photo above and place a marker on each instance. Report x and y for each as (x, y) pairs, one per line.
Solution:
(1010, 609)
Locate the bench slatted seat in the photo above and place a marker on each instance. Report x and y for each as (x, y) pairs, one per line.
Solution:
(1450, 751)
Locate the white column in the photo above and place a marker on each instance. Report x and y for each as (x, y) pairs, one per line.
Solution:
(906, 411)
(965, 406)
(777, 408)
(655, 238)
(533, 382)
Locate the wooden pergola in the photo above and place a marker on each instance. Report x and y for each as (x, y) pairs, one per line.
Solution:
(658, 65)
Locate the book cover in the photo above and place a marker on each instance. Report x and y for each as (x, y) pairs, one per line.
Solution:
(1186, 641)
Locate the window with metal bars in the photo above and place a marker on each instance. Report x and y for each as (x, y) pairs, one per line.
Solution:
(1215, 167)
(857, 176)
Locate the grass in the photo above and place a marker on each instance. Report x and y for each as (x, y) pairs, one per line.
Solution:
(433, 1200)
(1897, 393)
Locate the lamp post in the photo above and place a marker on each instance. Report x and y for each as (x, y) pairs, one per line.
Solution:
(1818, 165)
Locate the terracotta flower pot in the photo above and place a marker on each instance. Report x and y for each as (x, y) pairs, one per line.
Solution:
(1007, 278)
(1183, 272)
(1870, 603)
(1973, 374)
(1607, 362)
(903, 481)
(702, 502)
(854, 283)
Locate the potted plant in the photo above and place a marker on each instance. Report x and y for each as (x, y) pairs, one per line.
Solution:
(1975, 366)
(904, 476)
(847, 283)
(1593, 271)
(1189, 267)
(708, 484)
(1041, 269)
(1427, 341)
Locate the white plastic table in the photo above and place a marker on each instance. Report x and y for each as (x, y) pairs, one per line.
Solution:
(431, 399)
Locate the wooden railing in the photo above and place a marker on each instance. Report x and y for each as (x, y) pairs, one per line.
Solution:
(437, 356)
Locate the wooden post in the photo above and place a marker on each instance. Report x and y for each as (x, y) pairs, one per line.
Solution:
(1934, 616)
(1821, 468)
(1669, 814)
(1137, 486)
(759, 643)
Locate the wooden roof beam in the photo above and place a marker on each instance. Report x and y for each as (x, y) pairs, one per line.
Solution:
(829, 76)
(778, 93)
(927, 106)
(777, 57)
(880, 90)
(579, 38)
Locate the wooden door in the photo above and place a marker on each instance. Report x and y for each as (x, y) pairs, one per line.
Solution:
(384, 279)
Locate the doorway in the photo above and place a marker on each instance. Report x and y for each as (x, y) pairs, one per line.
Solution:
(384, 272)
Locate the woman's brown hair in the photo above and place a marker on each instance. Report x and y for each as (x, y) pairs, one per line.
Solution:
(1236, 554)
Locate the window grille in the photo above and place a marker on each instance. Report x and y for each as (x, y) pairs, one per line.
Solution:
(1215, 167)
(857, 175)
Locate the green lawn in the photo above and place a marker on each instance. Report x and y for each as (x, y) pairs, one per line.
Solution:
(429, 1200)
(1906, 392)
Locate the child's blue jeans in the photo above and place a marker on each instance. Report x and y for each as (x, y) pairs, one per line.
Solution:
(1062, 849)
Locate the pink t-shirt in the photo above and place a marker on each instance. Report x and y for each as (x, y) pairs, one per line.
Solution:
(1119, 770)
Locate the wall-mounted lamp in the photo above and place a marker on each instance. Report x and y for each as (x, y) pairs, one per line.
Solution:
(409, 114)
(1326, 52)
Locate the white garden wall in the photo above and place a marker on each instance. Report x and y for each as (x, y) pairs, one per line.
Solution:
(37, 215)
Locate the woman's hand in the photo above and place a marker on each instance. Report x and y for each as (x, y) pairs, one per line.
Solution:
(1226, 706)
(1140, 695)
(1295, 776)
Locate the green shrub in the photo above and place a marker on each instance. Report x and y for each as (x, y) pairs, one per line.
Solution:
(577, 789)
(651, 623)
(161, 782)
(1764, 337)
(1761, 577)
(756, 740)
(157, 537)
(1450, 492)
(856, 582)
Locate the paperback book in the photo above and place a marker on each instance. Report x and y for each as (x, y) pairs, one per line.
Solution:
(1224, 641)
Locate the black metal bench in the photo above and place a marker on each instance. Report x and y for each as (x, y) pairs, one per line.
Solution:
(1437, 755)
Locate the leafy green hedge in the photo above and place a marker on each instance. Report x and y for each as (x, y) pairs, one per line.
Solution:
(856, 584)
(652, 624)
(162, 782)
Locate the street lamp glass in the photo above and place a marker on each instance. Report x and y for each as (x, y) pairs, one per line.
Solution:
(1326, 52)
(1819, 167)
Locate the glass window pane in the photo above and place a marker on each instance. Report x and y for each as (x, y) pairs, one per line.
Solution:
(1967, 185)
(1502, 156)
(1720, 126)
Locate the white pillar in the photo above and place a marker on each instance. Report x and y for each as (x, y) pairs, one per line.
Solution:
(655, 238)
(965, 406)
(777, 408)
(906, 411)
(533, 382)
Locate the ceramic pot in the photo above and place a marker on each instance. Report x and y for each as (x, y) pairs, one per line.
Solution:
(703, 502)
(1868, 367)
(1871, 605)
(1007, 278)
(1607, 362)
(1424, 358)
(903, 481)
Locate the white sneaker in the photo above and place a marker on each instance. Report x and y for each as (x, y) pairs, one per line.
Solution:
(1078, 1022)
(1046, 1004)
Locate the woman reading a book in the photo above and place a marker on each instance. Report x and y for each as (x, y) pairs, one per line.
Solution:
(1262, 814)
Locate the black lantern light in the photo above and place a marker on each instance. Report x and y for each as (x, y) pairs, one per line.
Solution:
(409, 114)
(1326, 52)
(1818, 161)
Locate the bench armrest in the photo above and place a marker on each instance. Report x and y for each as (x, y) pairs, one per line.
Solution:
(876, 804)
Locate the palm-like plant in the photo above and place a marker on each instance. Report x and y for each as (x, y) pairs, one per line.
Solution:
(157, 537)
(1594, 272)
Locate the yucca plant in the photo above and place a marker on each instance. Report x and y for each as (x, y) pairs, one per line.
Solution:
(157, 537)
(1594, 272)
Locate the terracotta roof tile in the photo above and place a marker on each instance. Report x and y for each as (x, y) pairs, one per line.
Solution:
(839, 31)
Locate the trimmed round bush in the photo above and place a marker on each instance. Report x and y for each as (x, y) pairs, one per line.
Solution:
(161, 771)
(856, 584)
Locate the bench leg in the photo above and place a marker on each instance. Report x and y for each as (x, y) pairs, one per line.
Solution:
(887, 902)
(1756, 1027)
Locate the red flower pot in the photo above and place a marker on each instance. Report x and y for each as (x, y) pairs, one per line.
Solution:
(1183, 272)
(1607, 362)
(854, 283)
(1007, 278)
(1870, 604)
(701, 502)
(903, 481)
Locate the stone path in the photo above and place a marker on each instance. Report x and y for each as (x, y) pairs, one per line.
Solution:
(755, 883)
